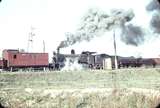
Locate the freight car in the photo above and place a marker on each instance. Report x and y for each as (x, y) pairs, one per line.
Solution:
(126, 62)
(14, 60)
(1, 63)
(150, 62)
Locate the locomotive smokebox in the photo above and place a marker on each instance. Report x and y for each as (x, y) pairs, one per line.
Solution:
(73, 52)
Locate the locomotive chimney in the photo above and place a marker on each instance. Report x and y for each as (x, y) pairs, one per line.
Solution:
(73, 52)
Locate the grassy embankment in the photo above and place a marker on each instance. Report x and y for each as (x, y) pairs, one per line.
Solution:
(125, 88)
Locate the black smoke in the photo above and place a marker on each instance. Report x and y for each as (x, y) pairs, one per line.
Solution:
(132, 35)
(154, 8)
(95, 23)
(155, 22)
(153, 5)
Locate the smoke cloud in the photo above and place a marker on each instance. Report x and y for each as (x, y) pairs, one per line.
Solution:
(153, 5)
(155, 22)
(96, 23)
(133, 35)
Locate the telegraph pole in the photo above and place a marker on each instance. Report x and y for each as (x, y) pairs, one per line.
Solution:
(44, 46)
(115, 50)
(30, 40)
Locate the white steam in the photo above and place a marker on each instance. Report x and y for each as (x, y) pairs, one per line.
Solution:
(72, 64)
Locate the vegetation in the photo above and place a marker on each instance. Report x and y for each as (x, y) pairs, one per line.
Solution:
(124, 88)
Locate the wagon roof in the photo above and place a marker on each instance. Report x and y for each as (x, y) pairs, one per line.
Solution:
(17, 51)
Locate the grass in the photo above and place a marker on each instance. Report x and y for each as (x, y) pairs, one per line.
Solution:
(139, 78)
(124, 88)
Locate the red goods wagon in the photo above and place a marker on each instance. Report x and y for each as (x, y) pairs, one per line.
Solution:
(157, 61)
(21, 59)
(1, 64)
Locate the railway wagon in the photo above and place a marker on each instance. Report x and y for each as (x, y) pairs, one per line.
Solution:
(125, 62)
(16, 59)
(1, 64)
(150, 62)
(157, 61)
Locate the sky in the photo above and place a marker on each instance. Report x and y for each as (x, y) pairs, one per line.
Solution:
(51, 19)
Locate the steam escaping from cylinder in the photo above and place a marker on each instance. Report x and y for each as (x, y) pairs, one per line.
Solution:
(95, 23)
(71, 64)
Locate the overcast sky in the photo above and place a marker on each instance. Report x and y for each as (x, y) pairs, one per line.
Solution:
(53, 18)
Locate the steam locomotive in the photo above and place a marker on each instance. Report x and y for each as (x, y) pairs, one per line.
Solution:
(86, 59)
(98, 61)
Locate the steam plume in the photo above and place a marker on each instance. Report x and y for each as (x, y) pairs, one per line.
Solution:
(97, 22)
